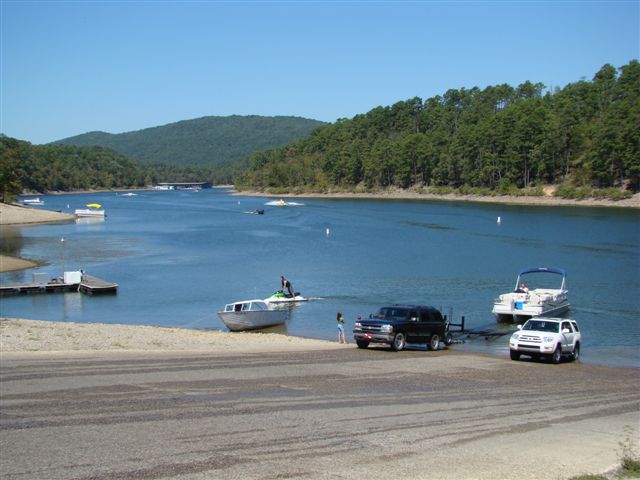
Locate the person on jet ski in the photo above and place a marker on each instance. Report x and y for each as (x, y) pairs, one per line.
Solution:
(286, 286)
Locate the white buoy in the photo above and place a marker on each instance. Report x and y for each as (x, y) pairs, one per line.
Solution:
(499, 220)
(328, 232)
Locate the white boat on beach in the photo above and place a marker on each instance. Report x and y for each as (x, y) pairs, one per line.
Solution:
(524, 302)
(32, 201)
(251, 315)
(92, 210)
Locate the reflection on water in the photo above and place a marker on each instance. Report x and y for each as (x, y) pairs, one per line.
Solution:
(178, 257)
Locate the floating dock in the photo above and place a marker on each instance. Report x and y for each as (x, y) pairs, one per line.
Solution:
(92, 286)
(88, 284)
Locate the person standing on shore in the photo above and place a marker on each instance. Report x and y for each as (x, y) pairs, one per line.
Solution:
(341, 336)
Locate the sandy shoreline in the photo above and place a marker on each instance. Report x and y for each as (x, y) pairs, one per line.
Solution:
(17, 215)
(10, 264)
(549, 201)
(28, 336)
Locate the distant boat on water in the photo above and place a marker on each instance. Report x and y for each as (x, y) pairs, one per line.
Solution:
(92, 210)
(32, 201)
(282, 203)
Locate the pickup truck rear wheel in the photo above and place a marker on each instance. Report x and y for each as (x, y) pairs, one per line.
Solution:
(398, 342)
(434, 343)
(362, 344)
(556, 356)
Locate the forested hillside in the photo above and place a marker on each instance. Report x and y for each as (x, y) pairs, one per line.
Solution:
(202, 141)
(586, 133)
(43, 168)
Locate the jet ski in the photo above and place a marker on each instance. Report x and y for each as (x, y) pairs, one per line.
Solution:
(281, 297)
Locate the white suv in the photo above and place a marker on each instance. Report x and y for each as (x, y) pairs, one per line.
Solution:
(546, 337)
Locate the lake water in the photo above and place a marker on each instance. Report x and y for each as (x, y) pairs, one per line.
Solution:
(179, 256)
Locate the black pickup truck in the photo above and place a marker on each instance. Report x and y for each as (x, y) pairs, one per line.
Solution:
(398, 325)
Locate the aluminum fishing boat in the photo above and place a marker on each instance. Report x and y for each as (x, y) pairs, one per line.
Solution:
(251, 315)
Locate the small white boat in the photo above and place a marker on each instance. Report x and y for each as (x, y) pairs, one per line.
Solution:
(130, 194)
(32, 201)
(524, 303)
(282, 203)
(251, 315)
(92, 210)
(281, 297)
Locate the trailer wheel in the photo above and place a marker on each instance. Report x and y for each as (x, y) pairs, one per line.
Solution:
(448, 339)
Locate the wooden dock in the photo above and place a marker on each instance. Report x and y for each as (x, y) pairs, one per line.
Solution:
(88, 285)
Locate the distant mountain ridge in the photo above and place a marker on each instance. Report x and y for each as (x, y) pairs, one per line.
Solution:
(207, 140)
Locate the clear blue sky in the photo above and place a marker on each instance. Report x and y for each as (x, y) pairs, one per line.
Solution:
(69, 67)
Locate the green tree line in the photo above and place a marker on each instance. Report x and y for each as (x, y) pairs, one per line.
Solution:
(585, 134)
(201, 141)
(46, 168)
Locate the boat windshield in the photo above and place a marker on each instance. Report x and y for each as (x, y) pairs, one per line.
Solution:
(542, 326)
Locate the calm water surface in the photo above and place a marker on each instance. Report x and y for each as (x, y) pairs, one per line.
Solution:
(179, 256)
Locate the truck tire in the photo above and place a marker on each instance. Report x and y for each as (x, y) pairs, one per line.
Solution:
(514, 355)
(362, 344)
(448, 339)
(398, 342)
(556, 356)
(576, 352)
(434, 342)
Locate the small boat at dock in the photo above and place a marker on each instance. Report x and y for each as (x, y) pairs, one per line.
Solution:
(251, 315)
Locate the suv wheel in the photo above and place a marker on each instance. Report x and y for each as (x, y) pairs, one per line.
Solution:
(398, 342)
(434, 343)
(556, 356)
(514, 355)
(576, 352)
(362, 344)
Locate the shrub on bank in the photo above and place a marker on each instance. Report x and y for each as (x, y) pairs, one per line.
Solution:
(582, 193)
